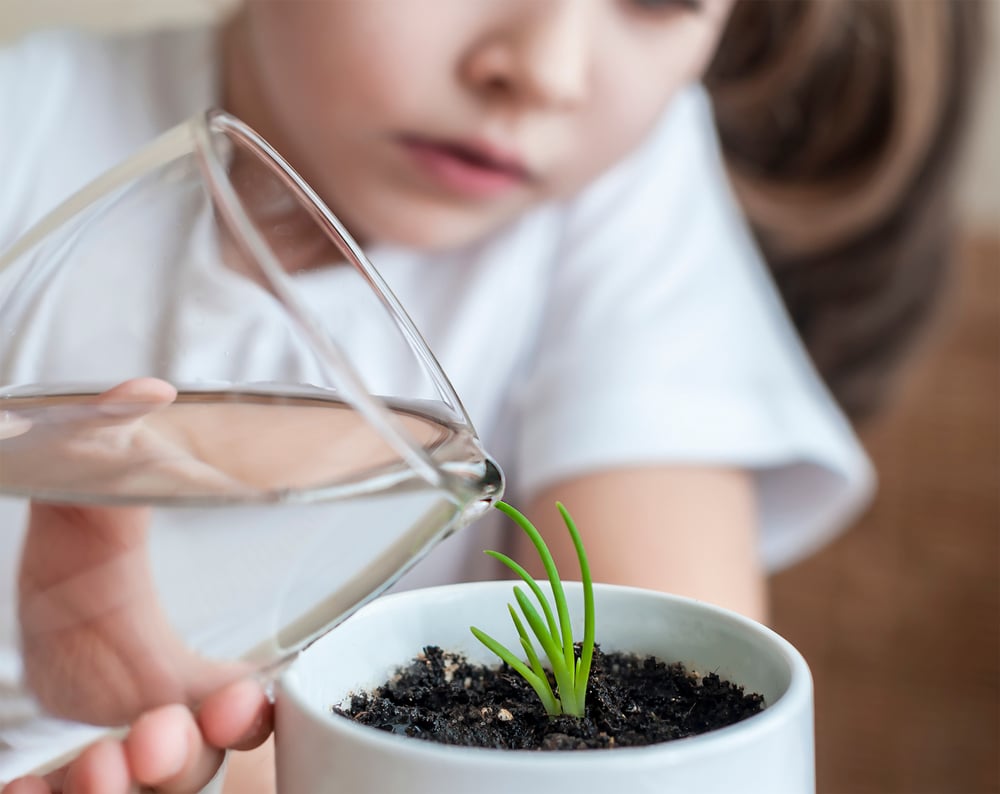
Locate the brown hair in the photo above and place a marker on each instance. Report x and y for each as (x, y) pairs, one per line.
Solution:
(840, 121)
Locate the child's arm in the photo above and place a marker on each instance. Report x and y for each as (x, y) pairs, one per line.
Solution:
(685, 530)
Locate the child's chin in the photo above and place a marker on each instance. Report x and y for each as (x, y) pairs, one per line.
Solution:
(444, 229)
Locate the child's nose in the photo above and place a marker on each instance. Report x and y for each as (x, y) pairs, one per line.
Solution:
(540, 54)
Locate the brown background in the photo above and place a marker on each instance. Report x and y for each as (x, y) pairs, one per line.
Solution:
(900, 618)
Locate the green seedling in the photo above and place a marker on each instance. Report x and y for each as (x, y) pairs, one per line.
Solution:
(553, 632)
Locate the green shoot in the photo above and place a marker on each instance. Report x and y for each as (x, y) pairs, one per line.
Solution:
(551, 629)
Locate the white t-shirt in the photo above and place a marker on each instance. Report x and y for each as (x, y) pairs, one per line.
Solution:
(634, 324)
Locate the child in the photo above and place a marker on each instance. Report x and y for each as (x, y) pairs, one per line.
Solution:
(551, 166)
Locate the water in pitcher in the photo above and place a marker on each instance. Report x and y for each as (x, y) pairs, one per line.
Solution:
(229, 529)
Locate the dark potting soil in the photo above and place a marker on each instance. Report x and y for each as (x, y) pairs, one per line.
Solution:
(631, 701)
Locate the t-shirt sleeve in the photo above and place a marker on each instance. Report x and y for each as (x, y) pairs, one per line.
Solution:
(665, 342)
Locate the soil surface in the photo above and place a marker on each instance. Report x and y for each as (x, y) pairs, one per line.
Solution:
(631, 701)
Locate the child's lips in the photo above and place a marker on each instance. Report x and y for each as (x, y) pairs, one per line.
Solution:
(471, 168)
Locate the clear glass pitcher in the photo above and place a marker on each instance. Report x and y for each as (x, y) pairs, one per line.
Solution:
(220, 433)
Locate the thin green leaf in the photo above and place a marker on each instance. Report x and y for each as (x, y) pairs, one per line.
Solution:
(549, 700)
(538, 683)
(549, 644)
(522, 633)
(504, 653)
(551, 703)
(587, 648)
(530, 581)
(555, 633)
(550, 569)
(562, 673)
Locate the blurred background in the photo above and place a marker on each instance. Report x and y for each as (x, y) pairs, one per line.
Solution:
(900, 617)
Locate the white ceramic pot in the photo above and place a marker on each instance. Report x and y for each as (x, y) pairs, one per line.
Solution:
(321, 753)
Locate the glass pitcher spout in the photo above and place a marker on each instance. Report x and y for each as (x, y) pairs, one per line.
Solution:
(491, 489)
(493, 483)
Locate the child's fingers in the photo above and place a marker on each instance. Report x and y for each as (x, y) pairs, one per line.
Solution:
(166, 751)
(101, 769)
(12, 425)
(238, 716)
(27, 785)
(54, 780)
(147, 390)
(134, 398)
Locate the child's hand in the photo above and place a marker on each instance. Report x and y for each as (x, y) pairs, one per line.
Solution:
(96, 643)
(168, 749)
(97, 646)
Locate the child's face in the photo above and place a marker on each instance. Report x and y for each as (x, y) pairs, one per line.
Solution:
(432, 123)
